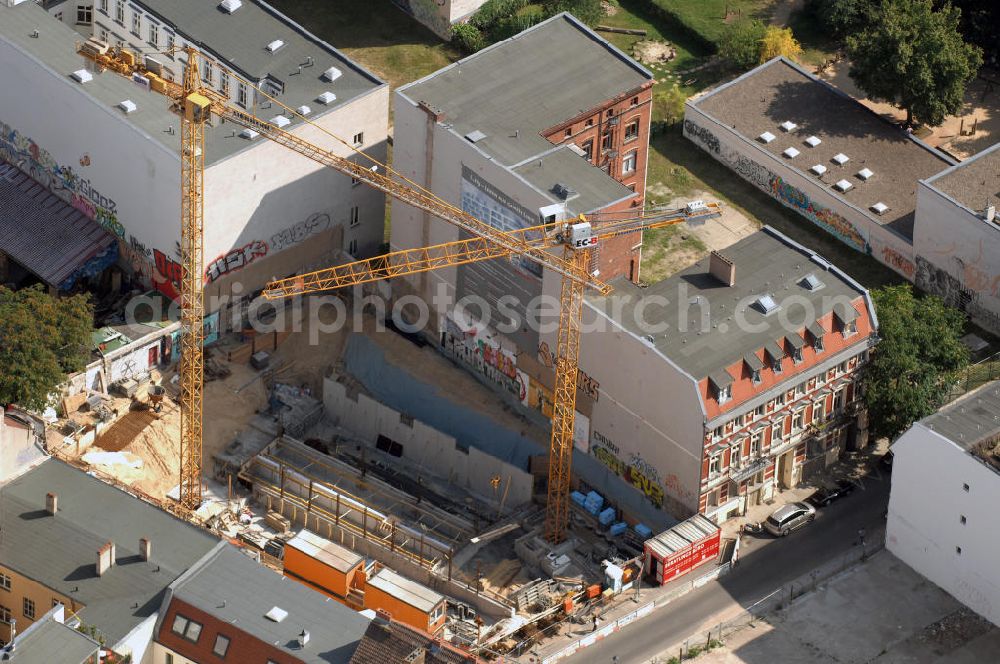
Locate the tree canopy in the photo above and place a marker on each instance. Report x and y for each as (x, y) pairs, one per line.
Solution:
(41, 339)
(779, 41)
(740, 43)
(915, 361)
(842, 17)
(914, 57)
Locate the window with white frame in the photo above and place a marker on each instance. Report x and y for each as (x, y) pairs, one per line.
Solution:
(5, 614)
(798, 420)
(724, 394)
(170, 44)
(359, 138)
(717, 433)
(241, 95)
(224, 81)
(28, 608)
(755, 440)
(4, 582)
(850, 329)
(778, 431)
(352, 247)
(208, 72)
(736, 456)
(355, 216)
(628, 163)
(818, 408)
(221, 645)
(800, 389)
(838, 401)
(186, 628)
(84, 14)
(759, 410)
(632, 130)
(120, 12)
(796, 355)
(714, 463)
(104, 35)
(755, 376)
(154, 34)
(104, 6)
(136, 23)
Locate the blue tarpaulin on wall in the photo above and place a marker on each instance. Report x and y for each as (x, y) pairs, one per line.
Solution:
(402, 391)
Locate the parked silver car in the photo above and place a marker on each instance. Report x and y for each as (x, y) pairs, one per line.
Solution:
(789, 517)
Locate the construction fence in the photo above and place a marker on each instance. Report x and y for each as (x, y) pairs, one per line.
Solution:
(975, 375)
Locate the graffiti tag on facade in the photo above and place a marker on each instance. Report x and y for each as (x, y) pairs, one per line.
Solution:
(639, 477)
(702, 135)
(584, 382)
(898, 262)
(236, 259)
(299, 232)
(823, 217)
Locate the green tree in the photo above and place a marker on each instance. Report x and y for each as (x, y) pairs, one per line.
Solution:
(668, 105)
(588, 11)
(467, 37)
(843, 17)
(41, 339)
(779, 41)
(915, 361)
(914, 57)
(740, 43)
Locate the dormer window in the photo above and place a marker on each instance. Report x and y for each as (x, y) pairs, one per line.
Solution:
(795, 342)
(847, 318)
(816, 332)
(775, 355)
(754, 365)
(722, 384)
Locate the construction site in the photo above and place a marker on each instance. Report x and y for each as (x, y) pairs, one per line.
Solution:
(277, 441)
(299, 449)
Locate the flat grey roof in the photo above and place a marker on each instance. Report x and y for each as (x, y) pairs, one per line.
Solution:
(330, 553)
(780, 91)
(241, 38)
(234, 589)
(975, 183)
(593, 189)
(55, 49)
(766, 262)
(48, 641)
(416, 595)
(47, 235)
(971, 419)
(520, 87)
(61, 551)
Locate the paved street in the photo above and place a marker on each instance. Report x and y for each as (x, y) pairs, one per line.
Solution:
(765, 565)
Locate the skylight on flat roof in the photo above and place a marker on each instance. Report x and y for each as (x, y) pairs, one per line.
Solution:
(865, 173)
(127, 105)
(788, 125)
(813, 141)
(229, 6)
(331, 74)
(82, 75)
(766, 304)
(249, 134)
(326, 98)
(475, 136)
(304, 110)
(842, 185)
(791, 153)
(275, 45)
(841, 158)
(277, 614)
(880, 208)
(280, 121)
(818, 169)
(811, 282)
(766, 137)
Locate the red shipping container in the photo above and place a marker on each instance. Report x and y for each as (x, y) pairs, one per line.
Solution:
(682, 548)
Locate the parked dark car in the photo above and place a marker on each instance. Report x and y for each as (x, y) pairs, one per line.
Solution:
(826, 495)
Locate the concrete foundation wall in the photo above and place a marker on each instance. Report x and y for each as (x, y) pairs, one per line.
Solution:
(424, 446)
(957, 257)
(926, 506)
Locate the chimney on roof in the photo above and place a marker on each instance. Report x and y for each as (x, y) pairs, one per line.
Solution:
(51, 503)
(418, 656)
(145, 549)
(303, 638)
(105, 558)
(722, 268)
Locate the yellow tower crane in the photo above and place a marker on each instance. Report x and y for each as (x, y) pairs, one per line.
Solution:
(197, 105)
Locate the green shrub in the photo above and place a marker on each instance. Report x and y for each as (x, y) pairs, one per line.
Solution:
(467, 37)
(494, 11)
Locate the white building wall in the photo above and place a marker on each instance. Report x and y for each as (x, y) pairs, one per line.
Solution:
(766, 171)
(957, 257)
(926, 504)
(138, 642)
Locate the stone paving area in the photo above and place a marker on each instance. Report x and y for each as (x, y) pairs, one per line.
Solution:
(880, 612)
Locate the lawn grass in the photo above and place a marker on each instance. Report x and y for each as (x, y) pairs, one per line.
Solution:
(817, 45)
(708, 18)
(375, 33)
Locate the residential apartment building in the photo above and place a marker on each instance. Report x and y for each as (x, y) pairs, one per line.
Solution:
(730, 380)
(71, 540)
(268, 212)
(517, 134)
(942, 507)
(49, 640)
(229, 608)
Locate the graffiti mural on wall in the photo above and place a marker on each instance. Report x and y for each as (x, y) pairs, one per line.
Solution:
(949, 288)
(62, 181)
(898, 262)
(236, 259)
(584, 382)
(301, 231)
(485, 358)
(641, 475)
(167, 279)
(825, 218)
(702, 135)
